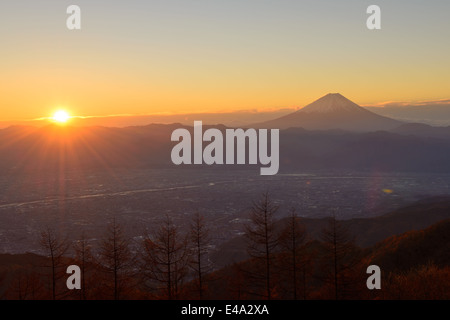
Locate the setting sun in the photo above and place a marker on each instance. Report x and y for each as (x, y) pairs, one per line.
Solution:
(61, 116)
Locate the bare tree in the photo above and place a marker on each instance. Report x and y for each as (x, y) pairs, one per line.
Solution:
(84, 260)
(293, 257)
(165, 259)
(262, 240)
(116, 258)
(199, 240)
(55, 248)
(340, 257)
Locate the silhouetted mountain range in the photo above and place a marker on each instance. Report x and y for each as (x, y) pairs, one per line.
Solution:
(433, 112)
(50, 147)
(383, 151)
(423, 130)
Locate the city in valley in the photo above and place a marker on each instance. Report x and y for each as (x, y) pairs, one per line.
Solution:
(75, 203)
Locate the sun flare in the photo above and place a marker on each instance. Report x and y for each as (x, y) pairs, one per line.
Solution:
(61, 116)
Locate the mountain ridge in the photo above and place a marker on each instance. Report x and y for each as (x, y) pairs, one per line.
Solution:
(37, 149)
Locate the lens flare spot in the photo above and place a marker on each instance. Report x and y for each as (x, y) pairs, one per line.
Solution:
(61, 116)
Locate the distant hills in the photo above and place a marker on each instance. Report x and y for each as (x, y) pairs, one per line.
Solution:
(381, 151)
(53, 147)
(434, 112)
(423, 130)
(405, 149)
(333, 111)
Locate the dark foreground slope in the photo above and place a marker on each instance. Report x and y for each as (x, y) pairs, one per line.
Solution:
(367, 231)
(414, 264)
(414, 248)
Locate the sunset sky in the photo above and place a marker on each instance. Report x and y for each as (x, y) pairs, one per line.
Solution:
(166, 56)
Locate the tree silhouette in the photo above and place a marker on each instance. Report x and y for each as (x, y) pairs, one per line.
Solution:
(165, 259)
(262, 241)
(340, 258)
(116, 259)
(199, 241)
(293, 257)
(84, 260)
(236, 283)
(55, 248)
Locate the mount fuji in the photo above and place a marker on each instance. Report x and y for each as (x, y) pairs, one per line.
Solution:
(333, 111)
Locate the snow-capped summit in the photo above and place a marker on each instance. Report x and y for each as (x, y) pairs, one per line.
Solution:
(332, 102)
